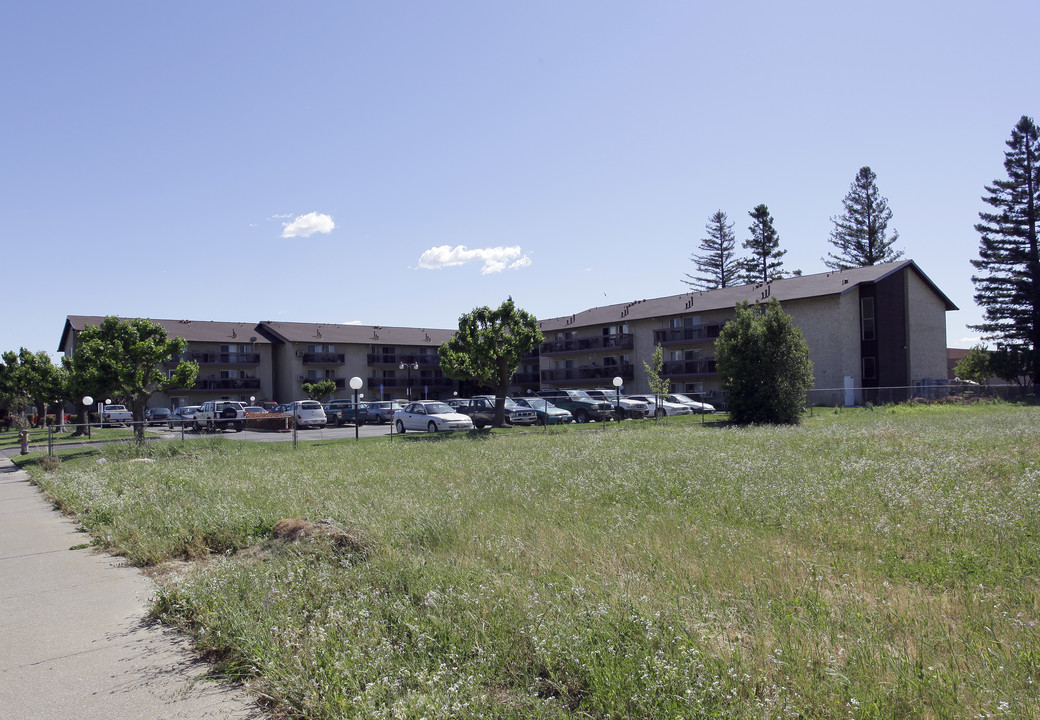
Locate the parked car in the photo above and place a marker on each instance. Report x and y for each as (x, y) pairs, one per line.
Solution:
(269, 406)
(281, 408)
(694, 405)
(516, 414)
(220, 415)
(481, 409)
(382, 411)
(308, 413)
(255, 410)
(430, 415)
(339, 412)
(580, 404)
(115, 415)
(630, 408)
(157, 416)
(182, 416)
(547, 413)
(660, 407)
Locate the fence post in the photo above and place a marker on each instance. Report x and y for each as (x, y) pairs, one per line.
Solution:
(50, 441)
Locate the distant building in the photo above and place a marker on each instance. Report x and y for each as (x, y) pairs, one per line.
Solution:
(868, 329)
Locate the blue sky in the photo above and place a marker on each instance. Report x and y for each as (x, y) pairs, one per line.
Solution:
(325, 161)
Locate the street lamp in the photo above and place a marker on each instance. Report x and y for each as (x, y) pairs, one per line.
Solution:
(355, 385)
(618, 382)
(87, 402)
(410, 366)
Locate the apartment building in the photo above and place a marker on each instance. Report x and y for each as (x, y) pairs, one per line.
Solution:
(867, 328)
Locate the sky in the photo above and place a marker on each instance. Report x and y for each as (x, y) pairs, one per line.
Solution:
(401, 163)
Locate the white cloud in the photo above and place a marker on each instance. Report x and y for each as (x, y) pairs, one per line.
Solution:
(495, 259)
(352, 322)
(307, 225)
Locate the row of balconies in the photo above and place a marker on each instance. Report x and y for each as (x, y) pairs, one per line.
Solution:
(624, 341)
(699, 333)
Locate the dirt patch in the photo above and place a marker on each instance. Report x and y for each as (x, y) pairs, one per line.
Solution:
(300, 529)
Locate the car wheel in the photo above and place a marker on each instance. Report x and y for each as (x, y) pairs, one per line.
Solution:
(659, 412)
(581, 416)
(540, 420)
(209, 426)
(239, 426)
(431, 426)
(400, 427)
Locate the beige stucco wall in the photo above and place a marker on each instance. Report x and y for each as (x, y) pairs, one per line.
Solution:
(927, 330)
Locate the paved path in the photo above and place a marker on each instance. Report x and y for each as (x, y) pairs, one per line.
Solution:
(75, 642)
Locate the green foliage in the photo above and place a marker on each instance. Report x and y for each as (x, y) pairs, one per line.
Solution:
(974, 366)
(861, 234)
(764, 364)
(488, 347)
(658, 385)
(125, 359)
(319, 390)
(765, 262)
(718, 266)
(1007, 284)
(29, 378)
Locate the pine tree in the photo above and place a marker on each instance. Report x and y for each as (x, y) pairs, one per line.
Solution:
(765, 262)
(718, 266)
(1007, 285)
(861, 234)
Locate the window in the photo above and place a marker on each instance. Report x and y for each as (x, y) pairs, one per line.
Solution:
(692, 355)
(869, 368)
(675, 355)
(866, 313)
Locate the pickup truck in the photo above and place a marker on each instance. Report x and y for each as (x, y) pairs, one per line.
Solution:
(220, 415)
(115, 415)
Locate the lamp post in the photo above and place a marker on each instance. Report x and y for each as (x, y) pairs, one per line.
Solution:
(87, 402)
(355, 385)
(410, 366)
(618, 382)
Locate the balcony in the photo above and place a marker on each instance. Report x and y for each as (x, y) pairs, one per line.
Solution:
(425, 361)
(218, 358)
(322, 358)
(676, 369)
(624, 341)
(210, 384)
(674, 336)
(526, 378)
(589, 374)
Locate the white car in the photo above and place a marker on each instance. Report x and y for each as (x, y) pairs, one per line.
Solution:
(659, 407)
(694, 405)
(430, 415)
(308, 413)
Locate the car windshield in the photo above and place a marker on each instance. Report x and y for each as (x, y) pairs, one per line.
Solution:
(681, 399)
(310, 405)
(539, 404)
(579, 394)
(438, 408)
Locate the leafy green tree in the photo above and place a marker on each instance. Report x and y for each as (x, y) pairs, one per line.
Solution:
(12, 395)
(1009, 364)
(763, 361)
(40, 380)
(765, 262)
(319, 390)
(861, 234)
(488, 347)
(124, 359)
(1007, 284)
(974, 366)
(718, 266)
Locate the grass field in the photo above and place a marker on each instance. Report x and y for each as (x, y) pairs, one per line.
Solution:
(866, 564)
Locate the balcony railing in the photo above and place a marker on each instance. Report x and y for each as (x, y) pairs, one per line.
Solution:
(323, 358)
(425, 361)
(673, 369)
(589, 373)
(218, 358)
(526, 378)
(687, 334)
(225, 384)
(623, 341)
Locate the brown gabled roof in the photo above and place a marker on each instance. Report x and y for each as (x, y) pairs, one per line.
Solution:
(190, 330)
(836, 282)
(297, 332)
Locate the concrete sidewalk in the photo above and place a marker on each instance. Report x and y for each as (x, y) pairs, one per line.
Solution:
(75, 641)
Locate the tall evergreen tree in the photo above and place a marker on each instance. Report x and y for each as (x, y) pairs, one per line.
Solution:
(1007, 285)
(861, 234)
(718, 266)
(765, 263)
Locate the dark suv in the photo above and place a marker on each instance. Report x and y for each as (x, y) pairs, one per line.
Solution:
(581, 405)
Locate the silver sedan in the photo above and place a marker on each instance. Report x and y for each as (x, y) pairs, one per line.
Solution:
(430, 415)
